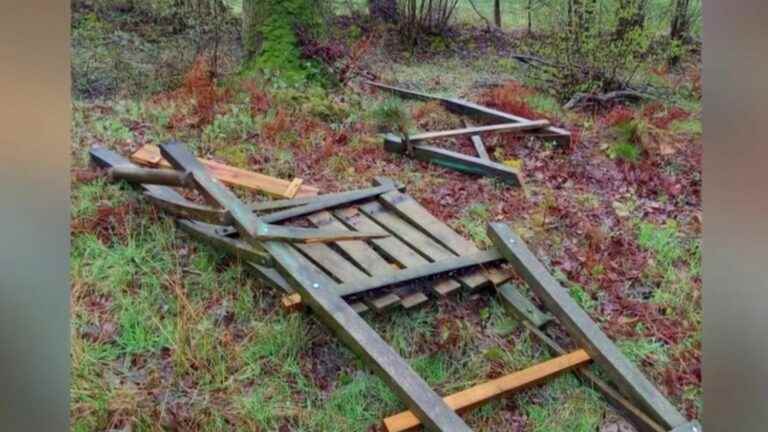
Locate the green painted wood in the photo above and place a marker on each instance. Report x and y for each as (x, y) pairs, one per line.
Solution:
(249, 225)
(453, 160)
(414, 273)
(272, 278)
(394, 248)
(622, 404)
(164, 177)
(580, 326)
(521, 307)
(506, 127)
(333, 263)
(460, 106)
(406, 207)
(316, 291)
(207, 234)
(185, 209)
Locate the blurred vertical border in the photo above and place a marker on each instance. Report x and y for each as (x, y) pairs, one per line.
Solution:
(735, 215)
(34, 215)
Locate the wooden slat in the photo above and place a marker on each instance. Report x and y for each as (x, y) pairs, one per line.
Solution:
(333, 263)
(166, 177)
(151, 156)
(520, 306)
(482, 153)
(506, 127)
(409, 209)
(455, 161)
(414, 273)
(264, 206)
(580, 326)
(363, 255)
(485, 392)
(317, 291)
(184, 209)
(394, 248)
(207, 234)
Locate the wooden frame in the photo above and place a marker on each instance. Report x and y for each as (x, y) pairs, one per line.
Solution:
(295, 267)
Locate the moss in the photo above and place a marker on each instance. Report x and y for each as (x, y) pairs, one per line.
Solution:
(280, 55)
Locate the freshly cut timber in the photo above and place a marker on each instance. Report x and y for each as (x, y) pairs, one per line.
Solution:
(149, 155)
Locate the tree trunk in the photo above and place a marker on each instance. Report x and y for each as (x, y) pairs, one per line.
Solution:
(530, 16)
(253, 19)
(384, 10)
(680, 27)
(631, 17)
(497, 13)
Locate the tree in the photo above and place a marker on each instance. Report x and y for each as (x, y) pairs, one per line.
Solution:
(631, 16)
(253, 19)
(497, 13)
(384, 10)
(680, 28)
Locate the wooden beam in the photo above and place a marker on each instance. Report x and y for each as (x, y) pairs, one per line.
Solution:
(150, 155)
(460, 106)
(506, 127)
(520, 307)
(455, 160)
(488, 391)
(580, 326)
(316, 290)
(477, 141)
(165, 177)
(184, 209)
(414, 273)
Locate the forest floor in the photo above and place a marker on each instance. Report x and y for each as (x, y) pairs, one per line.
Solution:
(169, 334)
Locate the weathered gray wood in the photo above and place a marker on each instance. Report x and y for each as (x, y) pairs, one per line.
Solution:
(165, 177)
(482, 153)
(460, 106)
(187, 210)
(394, 248)
(506, 127)
(207, 234)
(316, 290)
(414, 273)
(520, 307)
(294, 202)
(580, 326)
(333, 263)
(272, 277)
(249, 225)
(454, 160)
(410, 210)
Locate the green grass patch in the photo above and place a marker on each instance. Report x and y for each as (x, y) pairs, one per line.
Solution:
(568, 406)
(475, 222)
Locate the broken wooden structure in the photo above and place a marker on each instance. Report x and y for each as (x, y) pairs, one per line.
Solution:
(414, 145)
(376, 249)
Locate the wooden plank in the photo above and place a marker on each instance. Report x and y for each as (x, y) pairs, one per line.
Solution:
(693, 426)
(394, 248)
(580, 326)
(207, 234)
(166, 177)
(150, 155)
(520, 307)
(454, 160)
(622, 404)
(317, 291)
(293, 188)
(505, 127)
(361, 254)
(460, 106)
(409, 209)
(333, 263)
(184, 209)
(477, 142)
(249, 225)
(414, 273)
(319, 203)
(487, 391)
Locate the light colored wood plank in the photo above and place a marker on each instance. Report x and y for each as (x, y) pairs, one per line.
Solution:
(150, 155)
(490, 390)
(505, 127)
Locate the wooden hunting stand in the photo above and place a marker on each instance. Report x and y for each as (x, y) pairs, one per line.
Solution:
(414, 145)
(375, 249)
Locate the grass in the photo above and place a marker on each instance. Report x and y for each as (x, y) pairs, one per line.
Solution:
(168, 331)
